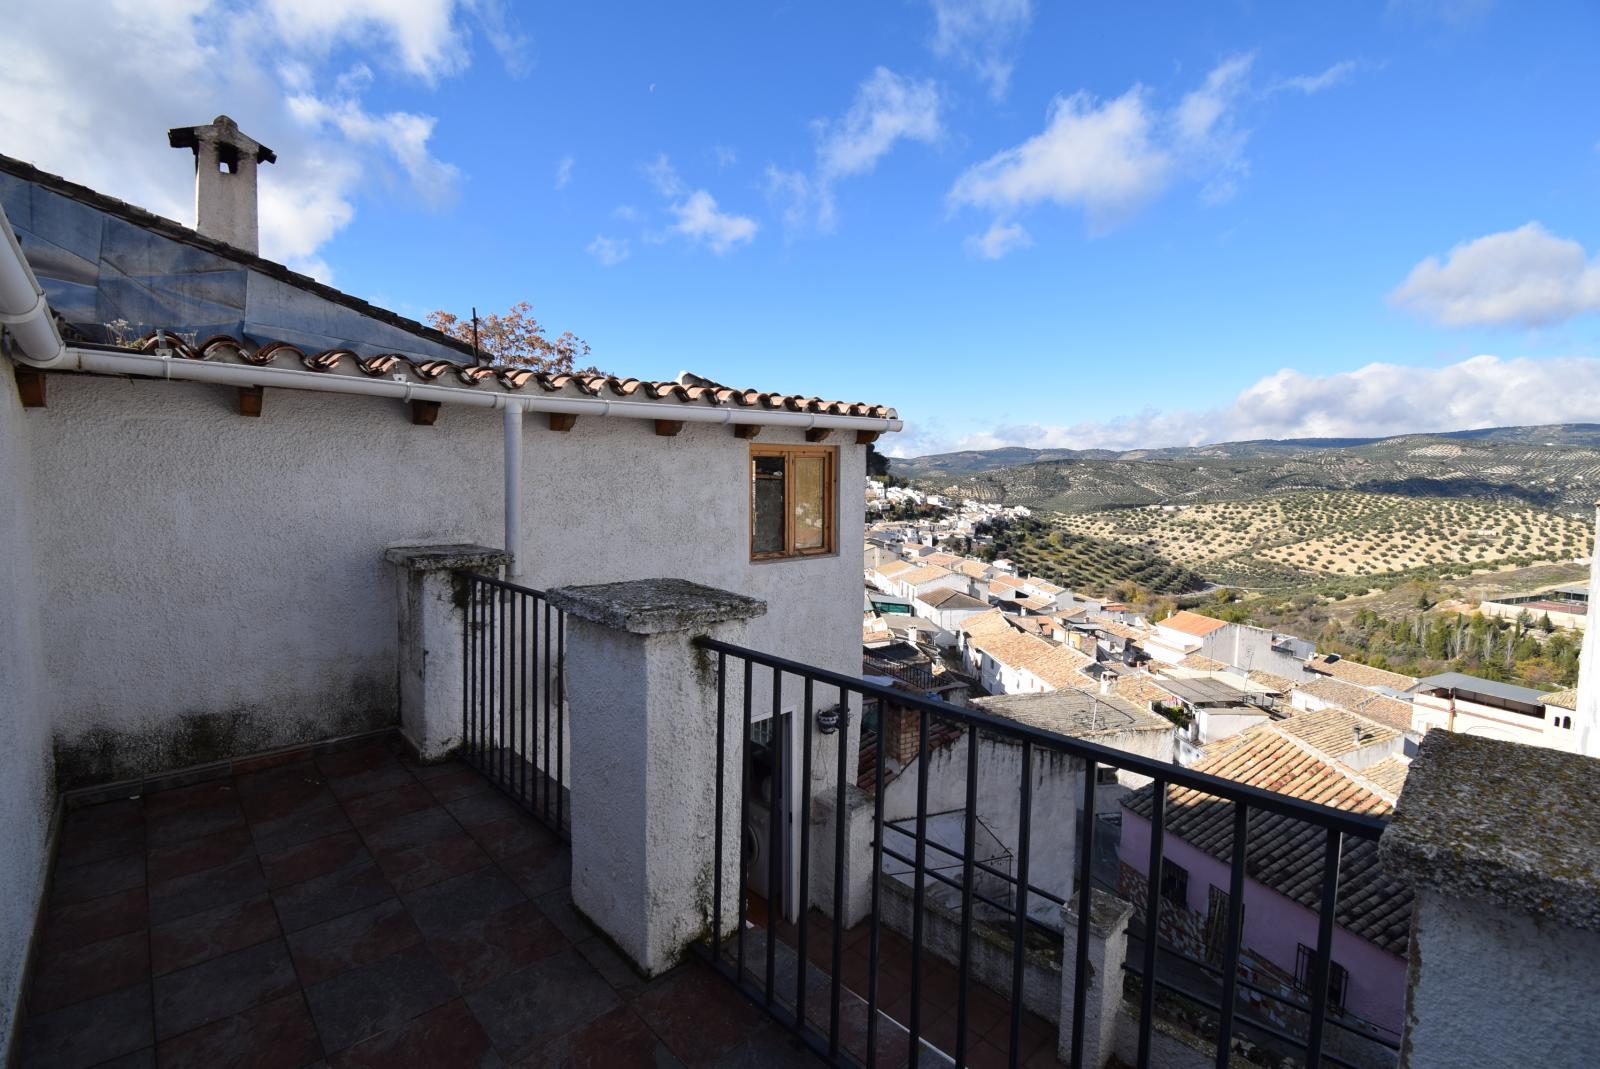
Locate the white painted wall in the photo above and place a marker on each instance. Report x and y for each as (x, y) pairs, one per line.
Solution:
(26, 781)
(216, 583)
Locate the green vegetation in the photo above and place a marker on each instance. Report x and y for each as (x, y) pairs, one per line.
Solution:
(1078, 562)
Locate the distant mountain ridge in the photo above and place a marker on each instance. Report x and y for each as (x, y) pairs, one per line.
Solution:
(1552, 466)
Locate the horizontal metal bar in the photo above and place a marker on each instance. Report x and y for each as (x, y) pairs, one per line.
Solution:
(996, 873)
(1358, 825)
(948, 882)
(489, 580)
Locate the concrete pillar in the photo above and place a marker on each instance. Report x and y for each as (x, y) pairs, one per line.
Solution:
(1108, 947)
(858, 814)
(1497, 841)
(642, 707)
(432, 601)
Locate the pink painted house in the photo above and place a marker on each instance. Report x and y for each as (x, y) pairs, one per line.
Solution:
(1283, 867)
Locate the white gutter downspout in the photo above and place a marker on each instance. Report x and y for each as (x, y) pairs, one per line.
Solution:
(23, 311)
(513, 466)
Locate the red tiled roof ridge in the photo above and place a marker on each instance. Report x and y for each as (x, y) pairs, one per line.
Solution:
(510, 377)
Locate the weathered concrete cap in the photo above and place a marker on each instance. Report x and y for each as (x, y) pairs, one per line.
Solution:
(1499, 821)
(655, 606)
(1107, 912)
(447, 558)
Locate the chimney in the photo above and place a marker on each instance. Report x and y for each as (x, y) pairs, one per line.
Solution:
(224, 180)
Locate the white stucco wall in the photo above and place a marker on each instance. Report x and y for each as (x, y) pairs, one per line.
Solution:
(215, 584)
(26, 782)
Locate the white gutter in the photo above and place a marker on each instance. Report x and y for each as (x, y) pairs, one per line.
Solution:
(23, 311)
(191, 370)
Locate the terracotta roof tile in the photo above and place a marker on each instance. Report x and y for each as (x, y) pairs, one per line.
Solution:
(1394, 712)
(1201, 663)
(1283, 853)
(224, 348)
(1336, 732)
(1143, 688)
(1362, 675)
(1055, 666)
(1192, 623)
(1563, 699)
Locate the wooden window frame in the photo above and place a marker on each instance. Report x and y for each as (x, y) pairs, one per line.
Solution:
(830, 501)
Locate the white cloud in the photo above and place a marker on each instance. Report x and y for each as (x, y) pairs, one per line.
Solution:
(887, 109)
(564, 171)
(1369, 402)
(1526, 276)
(983, 35)
(608, 251)
(1110, 158)
(726, 157)
(1316, 83)
(95, 107)
(999, 239)
(698, 217)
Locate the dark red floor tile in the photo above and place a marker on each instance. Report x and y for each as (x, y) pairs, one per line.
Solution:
(362, 757)
(691, 1011)
(306, 861)
(337, 946)
(199, 796)
(410, 868)
(274, 1035)
(617, 1040)
(451, 781)
(285, 795)
(540, 870)
(99, 918)
(281, 832)
(485, 807)
(489, 947)
(448, 906)
(355, 885)
(187, 824)
(447, 1036)
(514, 835)
(222, 987)
(95, 879)
(139, 1059)
(377, 996)
(386, 776)
(63, 977)
(212, 933)
(249, 766)
(524, 1011)
(98, 832)
(379, 806)
(205, 890)
(164, 863)
(89, 1032)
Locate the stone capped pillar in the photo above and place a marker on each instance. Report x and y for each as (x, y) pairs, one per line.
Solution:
(642, 709)
(1108, 947)
(1498, 842)
(432, 602)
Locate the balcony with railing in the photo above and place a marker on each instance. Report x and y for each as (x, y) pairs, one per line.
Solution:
(649, 842)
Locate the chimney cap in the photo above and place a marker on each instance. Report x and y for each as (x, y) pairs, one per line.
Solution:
(225, 132)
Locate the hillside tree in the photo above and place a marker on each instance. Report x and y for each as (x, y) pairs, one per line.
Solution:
(518, 339)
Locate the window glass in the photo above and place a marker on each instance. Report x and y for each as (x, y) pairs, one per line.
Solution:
(766, 504)
(810, 504)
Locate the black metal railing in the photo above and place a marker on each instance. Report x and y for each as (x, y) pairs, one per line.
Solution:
(819, 971)
(513, 722)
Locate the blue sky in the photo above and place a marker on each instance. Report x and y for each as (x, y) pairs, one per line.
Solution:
(1020, 223)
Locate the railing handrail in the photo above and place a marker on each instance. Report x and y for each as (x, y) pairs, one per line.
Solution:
(1359, 825)
(504, 584)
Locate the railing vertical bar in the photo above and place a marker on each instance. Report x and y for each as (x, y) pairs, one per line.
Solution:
(804, 905)
(1080, 958)
(969, 852)
(533, 710)
(914, 1038)
(489, 658)
(527, 670)
(1152, 914)
(561, 716)
(1230, 957)
(840, 817)
(716, 850)
(510, 687)
(1019, 936)
(744, 812)
(549, 756)
(1324, 959)
(776, 833)
(873, 948)
(466, 659)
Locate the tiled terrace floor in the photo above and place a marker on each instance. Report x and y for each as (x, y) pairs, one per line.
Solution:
(349, 909)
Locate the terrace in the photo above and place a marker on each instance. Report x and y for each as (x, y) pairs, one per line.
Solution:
(350, 903)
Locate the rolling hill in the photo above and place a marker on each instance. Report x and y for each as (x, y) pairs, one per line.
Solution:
(1553, 467)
